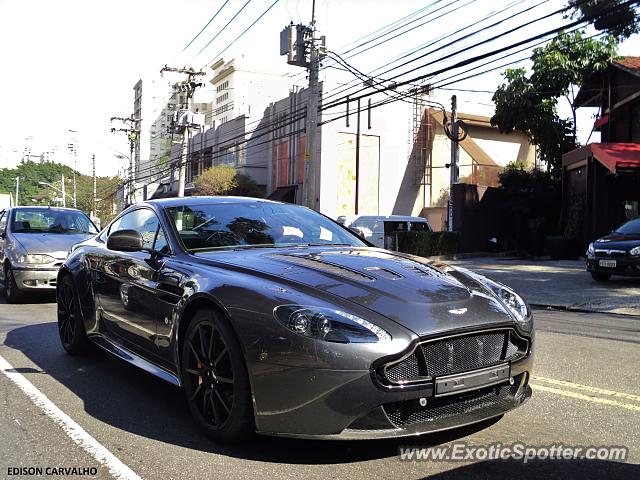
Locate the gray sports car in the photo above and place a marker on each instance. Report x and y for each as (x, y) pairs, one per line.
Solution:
(275, 319)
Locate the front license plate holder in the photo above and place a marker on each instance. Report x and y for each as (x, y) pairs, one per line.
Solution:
(607, 263)
(463, 382)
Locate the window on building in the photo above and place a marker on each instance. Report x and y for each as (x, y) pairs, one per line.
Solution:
(227, 156)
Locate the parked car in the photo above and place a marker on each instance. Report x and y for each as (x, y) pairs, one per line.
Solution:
(34, 241)
(617, 253)
(380, 229)
(275, 319)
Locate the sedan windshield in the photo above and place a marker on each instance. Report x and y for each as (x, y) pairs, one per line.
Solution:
(630, 228)
(40, 220)
(255, 224)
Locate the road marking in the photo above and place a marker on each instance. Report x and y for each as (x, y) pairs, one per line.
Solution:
(577, 386)
(581, 396)
(74, 431)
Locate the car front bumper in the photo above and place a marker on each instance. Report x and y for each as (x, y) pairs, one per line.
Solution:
(35, 278)
(351, 405)
(626, 266)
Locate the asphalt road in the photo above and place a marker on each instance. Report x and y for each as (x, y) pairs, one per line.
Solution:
(586, 392)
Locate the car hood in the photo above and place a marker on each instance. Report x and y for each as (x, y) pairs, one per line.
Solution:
(424, 297)
(617, 241)
(55, 244)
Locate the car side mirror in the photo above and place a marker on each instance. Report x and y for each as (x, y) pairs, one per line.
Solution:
(125, 241)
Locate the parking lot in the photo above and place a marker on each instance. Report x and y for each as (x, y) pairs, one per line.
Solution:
(586, 392)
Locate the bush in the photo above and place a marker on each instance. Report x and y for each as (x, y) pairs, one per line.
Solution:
(225, 180)
(426, 244)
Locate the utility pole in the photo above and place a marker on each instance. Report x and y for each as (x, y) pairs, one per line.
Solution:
(93, 172)
(184, 122)
(453, 166)
(64, 195)
(357, 160)
(295, 42)
(74, 189)
(17, 191)
(132, 135)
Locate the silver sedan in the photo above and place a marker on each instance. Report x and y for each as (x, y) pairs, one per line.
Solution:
(34, 242)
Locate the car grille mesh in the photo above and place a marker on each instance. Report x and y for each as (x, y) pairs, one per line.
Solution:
(463, 353)
(456, 354)
(491, 401)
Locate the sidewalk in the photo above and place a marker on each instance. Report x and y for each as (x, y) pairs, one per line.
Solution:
(561, 284)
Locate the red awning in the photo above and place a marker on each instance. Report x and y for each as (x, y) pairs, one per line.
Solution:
(600, 122)
(617, 157)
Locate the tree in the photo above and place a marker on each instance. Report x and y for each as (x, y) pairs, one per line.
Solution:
(529, 103)
(225, 180)
(34, 193)
(616, 17)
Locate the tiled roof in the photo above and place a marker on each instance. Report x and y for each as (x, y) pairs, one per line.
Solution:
(632, 63)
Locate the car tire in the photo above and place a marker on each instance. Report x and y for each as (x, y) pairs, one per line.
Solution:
(215, 379)
(73, 335)
(12, 293)
(600, 277)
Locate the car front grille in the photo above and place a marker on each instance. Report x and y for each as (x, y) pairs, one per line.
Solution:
(454, 354)
(489, 401)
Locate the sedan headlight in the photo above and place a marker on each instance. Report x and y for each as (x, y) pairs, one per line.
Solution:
(635, 250)
(36, 258)
(591, 252)
(329, 325)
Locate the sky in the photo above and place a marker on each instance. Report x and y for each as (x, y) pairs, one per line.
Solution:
(72, 64)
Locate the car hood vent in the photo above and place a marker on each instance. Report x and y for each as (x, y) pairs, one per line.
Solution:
(311, 261)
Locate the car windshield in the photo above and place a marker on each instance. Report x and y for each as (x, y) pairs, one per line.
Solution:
(255, 224)
(39, 220)
(630, 228)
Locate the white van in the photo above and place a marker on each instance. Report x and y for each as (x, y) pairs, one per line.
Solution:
(380, 229)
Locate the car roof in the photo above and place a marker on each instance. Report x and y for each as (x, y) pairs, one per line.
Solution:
(43, 208)
(203, 200)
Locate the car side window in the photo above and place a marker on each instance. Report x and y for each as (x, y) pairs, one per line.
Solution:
(3, 222)
(146, 223)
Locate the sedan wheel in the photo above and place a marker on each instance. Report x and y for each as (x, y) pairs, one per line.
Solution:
(215, 379)
(11, 290)
(70, 326)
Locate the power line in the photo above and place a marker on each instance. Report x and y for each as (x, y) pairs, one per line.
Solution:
(223, 28)
(431, 43)
(218, 55)
(204, 28)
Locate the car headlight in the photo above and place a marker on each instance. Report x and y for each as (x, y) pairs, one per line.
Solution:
(329, 325)
(635, 250)
(591, 252)
(35, 258)
(516, 305)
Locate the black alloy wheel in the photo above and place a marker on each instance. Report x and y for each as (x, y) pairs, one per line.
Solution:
(215, 379)
(70, 326)
(11, 290)
(600, 277)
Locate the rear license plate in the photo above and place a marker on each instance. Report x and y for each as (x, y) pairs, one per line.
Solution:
(607, 263)
(452, 384)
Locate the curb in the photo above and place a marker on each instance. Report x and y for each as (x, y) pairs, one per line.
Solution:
(568, 308)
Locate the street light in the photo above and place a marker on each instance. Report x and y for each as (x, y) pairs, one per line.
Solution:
(57, 190)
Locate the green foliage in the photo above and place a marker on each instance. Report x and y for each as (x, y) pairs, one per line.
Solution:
(529, 103)
(531, 205)
(569, 59)
(32, 193)
(616, 17)
(426, 244)
(225, 180)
